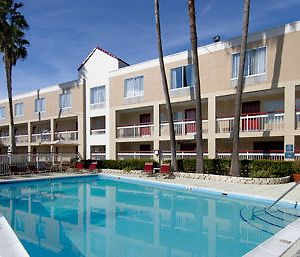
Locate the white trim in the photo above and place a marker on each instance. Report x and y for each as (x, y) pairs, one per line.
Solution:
(250, 76)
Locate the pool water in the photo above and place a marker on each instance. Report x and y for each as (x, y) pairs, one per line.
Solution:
(101, 216)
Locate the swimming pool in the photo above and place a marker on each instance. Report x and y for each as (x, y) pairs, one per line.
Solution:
(105, 216)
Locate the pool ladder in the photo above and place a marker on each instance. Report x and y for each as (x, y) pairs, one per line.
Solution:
(283, 195)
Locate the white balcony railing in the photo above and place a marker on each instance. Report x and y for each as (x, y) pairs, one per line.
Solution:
(66, 135)
(250, 155)
(251, 123)
(41, 137)
(98, 156)
(4, 140)
(135, 155)
(182, 155)
(97, 131)
(184, 127)
(135, 131)
(21, 139)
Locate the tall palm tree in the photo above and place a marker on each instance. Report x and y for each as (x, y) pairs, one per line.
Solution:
(194, 44)
(235, 165)
(165, 88)
(13, 46)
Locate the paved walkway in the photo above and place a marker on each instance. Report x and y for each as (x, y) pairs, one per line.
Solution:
(266, 191)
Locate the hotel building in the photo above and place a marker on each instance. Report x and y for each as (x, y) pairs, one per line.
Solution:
(120, 109)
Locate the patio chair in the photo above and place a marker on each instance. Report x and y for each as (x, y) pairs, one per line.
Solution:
(65, 165)
(30, 169)
(164, 170)
(148, 168)
(79, 166)
(93, 166)
(44, 167)
(13, 169)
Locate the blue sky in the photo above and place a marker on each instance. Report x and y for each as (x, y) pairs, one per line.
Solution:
(63, 32)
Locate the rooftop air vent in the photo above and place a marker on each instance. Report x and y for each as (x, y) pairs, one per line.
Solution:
(216, 38)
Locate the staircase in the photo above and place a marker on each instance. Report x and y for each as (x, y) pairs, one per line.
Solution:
(269, 220)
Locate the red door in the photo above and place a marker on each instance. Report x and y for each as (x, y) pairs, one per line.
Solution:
(145, 119)
(250, 109)
(190, 115)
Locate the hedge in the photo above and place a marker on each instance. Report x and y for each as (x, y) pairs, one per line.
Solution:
(130, 164)
(249, 168)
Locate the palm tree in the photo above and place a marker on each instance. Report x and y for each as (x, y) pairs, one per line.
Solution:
(235, 165)
(194, 43)
(165, 88)
(13, 47)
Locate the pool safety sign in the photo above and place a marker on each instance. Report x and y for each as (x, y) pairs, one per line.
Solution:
(289, 151)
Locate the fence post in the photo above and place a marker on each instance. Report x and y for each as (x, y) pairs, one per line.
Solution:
(37, 161)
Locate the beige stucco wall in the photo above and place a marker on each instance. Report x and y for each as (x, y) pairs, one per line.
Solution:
(52, 119)
(215, 69)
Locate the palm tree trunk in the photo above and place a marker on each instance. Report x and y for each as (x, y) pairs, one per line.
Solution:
(194, 43)
(235, 165)
(8, 72)
(165, 88)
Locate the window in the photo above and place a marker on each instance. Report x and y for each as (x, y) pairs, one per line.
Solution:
(65, 99)
(134, 87)
(182, 77)
(19, 109)
(98, 95)
(40, 105)
(2, 112)
(255, 62)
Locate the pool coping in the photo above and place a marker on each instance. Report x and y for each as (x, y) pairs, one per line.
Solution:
(10, 245)
(277, 245)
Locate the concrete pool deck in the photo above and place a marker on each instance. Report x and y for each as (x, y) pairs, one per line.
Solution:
(261, 191)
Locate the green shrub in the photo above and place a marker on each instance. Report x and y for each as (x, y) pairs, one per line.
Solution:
(130, 164)
(272, 168)
(249, 168)
(296, 166)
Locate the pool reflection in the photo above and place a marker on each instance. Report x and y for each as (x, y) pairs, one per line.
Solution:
(96, 217)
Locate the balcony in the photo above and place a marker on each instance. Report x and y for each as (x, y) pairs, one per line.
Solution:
(4, 140)
(98, 156)
(256, 155)
(41, 137)
(21, 139)
(97, 132)
(135, 155)
(66, 135)
(135, 131)
(183, 127)
(182, 155)
(253, 123)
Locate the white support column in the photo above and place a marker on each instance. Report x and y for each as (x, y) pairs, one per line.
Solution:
(289, 118)
(29, 136)
(111, 153)
(156, 123)
(211, 127)
(52, 130)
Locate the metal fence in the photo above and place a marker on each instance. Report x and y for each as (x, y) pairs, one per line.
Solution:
(19, 163)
